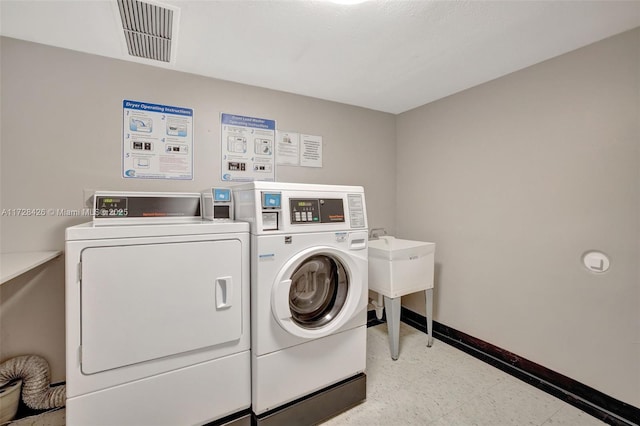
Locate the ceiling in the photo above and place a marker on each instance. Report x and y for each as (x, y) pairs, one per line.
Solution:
(389, 56)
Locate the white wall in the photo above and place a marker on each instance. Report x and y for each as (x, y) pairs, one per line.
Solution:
(61, 124)
(514, 180)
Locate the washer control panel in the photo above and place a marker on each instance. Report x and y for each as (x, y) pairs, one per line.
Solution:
(316, 210)
(285, 208)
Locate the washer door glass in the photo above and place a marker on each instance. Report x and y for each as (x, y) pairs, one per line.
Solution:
(318, 291)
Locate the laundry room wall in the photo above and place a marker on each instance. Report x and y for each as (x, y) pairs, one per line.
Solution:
(61, 130)
(514, 180)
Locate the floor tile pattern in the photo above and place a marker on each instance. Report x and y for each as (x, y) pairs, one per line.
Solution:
(443, 386)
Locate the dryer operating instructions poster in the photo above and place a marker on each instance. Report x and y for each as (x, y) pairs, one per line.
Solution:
(157, 141)
(248, 148)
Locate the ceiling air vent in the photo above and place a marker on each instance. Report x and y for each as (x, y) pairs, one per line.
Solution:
(148, 29)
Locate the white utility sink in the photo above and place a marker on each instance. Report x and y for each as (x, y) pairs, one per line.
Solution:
(398, 267)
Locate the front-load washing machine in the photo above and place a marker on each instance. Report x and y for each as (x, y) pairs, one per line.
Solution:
(157, 316)
(309, 298)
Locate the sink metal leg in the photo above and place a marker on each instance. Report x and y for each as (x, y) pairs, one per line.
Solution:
(429, 297)
(392, 305)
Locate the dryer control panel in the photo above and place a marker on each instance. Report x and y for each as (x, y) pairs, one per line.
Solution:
(129, 207)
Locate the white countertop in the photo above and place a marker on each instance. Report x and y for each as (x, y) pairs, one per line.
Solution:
(14, 264)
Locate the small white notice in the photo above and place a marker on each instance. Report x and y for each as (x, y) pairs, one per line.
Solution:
(288, 148)
(310, 151)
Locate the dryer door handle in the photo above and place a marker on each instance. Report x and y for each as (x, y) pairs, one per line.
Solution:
(281, 300)
(224, 292)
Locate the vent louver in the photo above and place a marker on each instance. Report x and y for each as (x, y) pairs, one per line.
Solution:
(148, 29)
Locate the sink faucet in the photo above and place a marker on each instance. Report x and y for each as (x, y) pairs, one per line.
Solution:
(375, 233)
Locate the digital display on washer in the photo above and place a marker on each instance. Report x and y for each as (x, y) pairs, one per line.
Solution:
(316, 210)
(271, 200)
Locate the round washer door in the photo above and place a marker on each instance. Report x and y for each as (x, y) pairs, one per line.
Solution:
(317, 292)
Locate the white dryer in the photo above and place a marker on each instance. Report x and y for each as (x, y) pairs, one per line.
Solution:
(157, 322)
(309, 296)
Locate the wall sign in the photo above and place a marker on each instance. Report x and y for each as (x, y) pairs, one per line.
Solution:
(157, 141)
(310, 151)
(248, 148)
(288, 148)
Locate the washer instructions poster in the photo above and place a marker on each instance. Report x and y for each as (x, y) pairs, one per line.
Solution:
(157, 141)
(248, 150)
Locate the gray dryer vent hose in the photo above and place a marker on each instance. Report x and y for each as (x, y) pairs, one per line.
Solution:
(34, 372)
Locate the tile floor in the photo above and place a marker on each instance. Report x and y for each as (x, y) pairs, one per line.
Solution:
(443, 386)
(437, 386)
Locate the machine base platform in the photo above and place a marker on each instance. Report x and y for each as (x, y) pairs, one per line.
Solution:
(319, 406)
